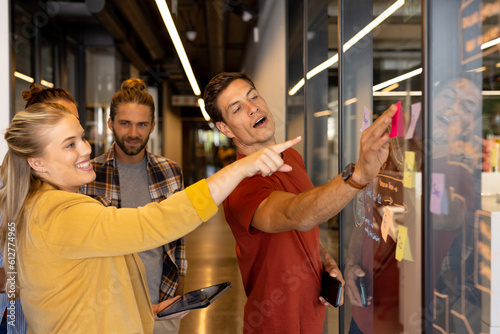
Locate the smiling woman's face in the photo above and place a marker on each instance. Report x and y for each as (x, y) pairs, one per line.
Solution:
(455, 110)
(66, 160)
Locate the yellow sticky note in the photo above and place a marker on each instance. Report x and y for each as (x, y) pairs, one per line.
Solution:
(386, 223)
(401, 244)
(408, 179)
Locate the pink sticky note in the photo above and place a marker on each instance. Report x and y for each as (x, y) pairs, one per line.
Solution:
(415, 114)
(401, 122)
(395, 121)
(366, 119)
(437, 189)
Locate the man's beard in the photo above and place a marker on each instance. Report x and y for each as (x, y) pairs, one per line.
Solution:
(130, 150)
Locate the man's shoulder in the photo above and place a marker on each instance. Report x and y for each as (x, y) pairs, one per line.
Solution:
(250, 189)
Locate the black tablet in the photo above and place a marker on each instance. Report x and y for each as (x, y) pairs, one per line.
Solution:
(196, 299)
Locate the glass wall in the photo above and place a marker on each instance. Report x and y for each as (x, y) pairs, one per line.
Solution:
(22, 47)
(463, 178)
(381, 46)
(48, 54)
(42, 53)
(295, 72)
(416, 245)
(312, 105)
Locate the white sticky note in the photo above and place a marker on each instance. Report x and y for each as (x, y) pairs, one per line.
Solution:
(386, 223)
(415, 114)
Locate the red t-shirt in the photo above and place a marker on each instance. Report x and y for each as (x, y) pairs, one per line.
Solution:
(281, 272)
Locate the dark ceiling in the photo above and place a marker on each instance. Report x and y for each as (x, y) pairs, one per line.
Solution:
(137, 29)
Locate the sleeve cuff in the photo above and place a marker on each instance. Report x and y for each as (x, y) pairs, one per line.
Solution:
(199, 195)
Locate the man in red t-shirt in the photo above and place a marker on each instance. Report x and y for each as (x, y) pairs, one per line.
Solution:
(275, 219)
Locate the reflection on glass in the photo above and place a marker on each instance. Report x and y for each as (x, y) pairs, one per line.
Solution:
(456, 149)
(464, 181)
(22, 55)
(47, 58)
(382, 228)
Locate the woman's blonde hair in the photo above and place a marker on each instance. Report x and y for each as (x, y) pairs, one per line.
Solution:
(27, 137)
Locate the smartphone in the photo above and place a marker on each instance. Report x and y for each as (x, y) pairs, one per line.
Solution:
(361, 283)
(196, 299)
(331, 289)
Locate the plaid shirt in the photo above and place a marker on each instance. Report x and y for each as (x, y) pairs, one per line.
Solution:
(165, 178)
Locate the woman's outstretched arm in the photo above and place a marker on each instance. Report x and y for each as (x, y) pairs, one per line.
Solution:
(265, 162)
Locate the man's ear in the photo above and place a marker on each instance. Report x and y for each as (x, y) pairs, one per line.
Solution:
(224, 129)
(37, 164)
(110, 124)
(152, 127)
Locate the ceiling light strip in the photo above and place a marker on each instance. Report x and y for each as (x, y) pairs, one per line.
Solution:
(397, 79)
(201, 103)
(398, 93)
(490, 44)
(169, 23)
(419, 93)
(24, 77)
(391, 87)
(47, 84)
(362, 33)
(381, 18)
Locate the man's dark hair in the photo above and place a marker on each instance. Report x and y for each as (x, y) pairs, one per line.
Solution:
(215, 87)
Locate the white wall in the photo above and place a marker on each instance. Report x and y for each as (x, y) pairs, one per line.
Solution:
(266, 61)
(5, 89)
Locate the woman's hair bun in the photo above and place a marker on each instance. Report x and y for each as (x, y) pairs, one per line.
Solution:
(34, 89)
(132, 84)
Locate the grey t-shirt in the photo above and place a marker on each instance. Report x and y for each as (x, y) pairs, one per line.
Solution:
(134, 191)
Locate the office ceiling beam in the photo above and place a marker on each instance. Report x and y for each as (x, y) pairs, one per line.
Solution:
(117, 30)
(143, 28)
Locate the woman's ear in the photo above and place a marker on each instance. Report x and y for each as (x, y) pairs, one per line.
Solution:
(37, 164)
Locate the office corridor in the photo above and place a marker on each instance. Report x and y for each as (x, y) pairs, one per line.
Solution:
(212, 260)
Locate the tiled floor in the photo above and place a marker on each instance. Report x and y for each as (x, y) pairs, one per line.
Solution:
(212, 260)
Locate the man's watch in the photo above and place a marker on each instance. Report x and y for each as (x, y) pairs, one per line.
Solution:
(347, 177)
